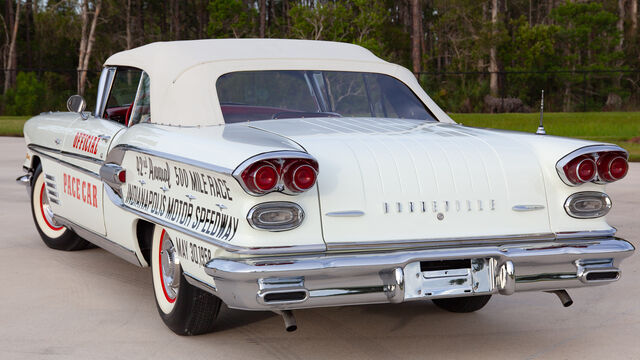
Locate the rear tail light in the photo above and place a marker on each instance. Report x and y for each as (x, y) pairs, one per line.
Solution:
(288, 172)
(262, 177)
(581, 169)
(299, 176)
(599, 164)
(612, 167)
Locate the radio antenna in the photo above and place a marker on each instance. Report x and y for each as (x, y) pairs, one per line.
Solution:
(541, 130)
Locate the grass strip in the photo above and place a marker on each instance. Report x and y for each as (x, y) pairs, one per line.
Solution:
(613, 127)
(12, 125)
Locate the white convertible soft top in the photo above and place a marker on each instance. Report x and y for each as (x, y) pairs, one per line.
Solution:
(174, 57)
(183, 73)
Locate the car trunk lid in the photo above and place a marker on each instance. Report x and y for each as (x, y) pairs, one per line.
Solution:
(393, 180)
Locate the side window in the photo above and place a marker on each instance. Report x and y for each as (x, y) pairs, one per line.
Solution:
(123, 93)
(141, 111)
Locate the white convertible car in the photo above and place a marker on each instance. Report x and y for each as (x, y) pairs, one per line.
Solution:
(287, 174)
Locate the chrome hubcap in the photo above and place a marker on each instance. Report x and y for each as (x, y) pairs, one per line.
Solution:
(46, 208)
(170, 267)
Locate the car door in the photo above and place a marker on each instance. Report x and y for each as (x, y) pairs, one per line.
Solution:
(86, 145)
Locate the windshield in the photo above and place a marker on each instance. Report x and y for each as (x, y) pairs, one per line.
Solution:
(262, 95)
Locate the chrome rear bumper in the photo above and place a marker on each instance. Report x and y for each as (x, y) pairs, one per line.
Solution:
(294, 282)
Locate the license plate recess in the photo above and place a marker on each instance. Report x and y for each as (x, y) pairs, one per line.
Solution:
(444, 278)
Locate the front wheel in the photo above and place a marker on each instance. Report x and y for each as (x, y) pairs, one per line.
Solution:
(463, 304)
(53, 235)
(184, 308)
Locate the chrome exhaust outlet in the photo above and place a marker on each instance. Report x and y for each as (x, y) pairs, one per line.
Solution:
(279, 291)
(597, 270)
(601, 275)
(290, 324)
(564, 297)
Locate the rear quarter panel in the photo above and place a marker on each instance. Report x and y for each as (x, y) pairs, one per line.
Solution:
(549, 150)
(183, 176)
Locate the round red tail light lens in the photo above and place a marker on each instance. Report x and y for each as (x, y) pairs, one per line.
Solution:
(265, 177)
(122, 176)
(619, 167)
(299, 175)
(581, 169)
(261, 177)
(612, 167)
(586, 170)
(304, 176)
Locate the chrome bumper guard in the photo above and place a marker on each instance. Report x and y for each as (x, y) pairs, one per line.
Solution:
(25, 180)
(294, 282)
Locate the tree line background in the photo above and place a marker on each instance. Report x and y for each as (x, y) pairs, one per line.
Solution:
(470, 55)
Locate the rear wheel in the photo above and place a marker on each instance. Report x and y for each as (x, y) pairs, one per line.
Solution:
(53, 235)
(463, 304)
(184, 308)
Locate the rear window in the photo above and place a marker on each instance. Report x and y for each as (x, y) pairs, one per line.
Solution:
(264, 95)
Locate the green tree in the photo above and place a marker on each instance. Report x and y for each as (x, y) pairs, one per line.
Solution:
(231, 18)
(586, 41)
(26, 98)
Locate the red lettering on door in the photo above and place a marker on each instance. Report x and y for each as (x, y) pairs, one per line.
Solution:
(85, 142)
(81, 189)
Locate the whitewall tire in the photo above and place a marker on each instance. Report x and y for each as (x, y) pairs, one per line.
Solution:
(184, 308)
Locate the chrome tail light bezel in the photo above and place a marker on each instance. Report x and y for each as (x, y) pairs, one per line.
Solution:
(594, 152)
(279, 160)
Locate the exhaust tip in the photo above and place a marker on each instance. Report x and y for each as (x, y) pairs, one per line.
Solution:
(290, 324)
(564, 297)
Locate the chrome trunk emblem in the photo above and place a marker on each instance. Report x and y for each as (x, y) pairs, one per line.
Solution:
(439, 206)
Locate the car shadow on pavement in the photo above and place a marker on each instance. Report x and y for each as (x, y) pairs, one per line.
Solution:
(229, 319)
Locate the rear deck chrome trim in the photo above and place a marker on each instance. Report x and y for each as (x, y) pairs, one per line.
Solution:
(349, 213)
(426, 243)
(527, 207)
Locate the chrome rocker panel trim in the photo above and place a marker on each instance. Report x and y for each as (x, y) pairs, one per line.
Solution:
(367, 278)
(43, 151)
(99, 240)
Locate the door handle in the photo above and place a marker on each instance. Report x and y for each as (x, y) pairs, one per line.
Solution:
(104, 138)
